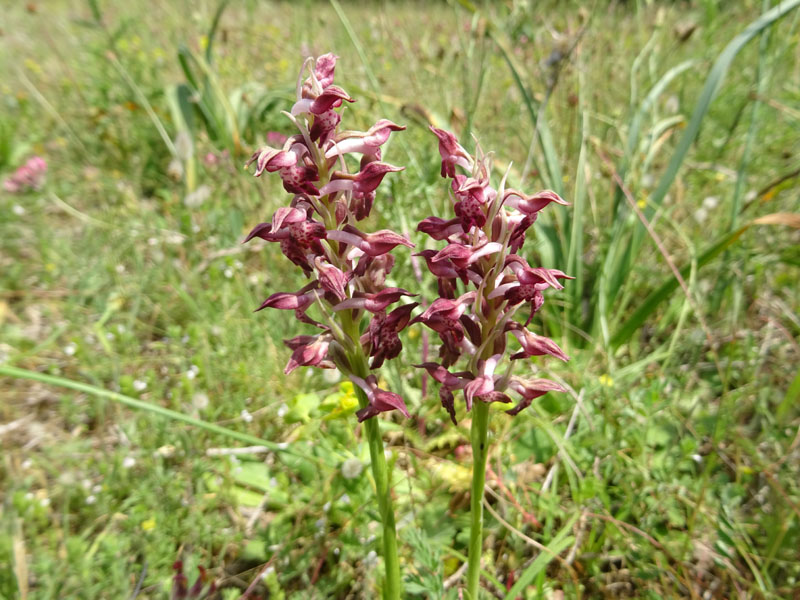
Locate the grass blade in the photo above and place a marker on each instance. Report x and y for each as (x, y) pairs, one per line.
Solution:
(556, 547)
(712, 85)
(212, 32)
(574, 266)
(649, 305)
(624, 332)
(146, 406)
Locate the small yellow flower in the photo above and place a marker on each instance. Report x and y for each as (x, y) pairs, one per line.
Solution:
(348, 400)
(33, 66)
(642, 202)
(148, 525)
(606, 380)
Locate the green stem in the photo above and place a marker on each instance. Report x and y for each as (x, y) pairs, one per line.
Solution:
(480, 452)
(380, 472)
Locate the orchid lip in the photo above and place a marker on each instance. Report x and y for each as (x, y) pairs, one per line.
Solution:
(500, 290)
(347, 146)
(337, 185)
(302, 106)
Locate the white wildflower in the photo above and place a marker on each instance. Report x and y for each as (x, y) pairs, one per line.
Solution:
(351, 468)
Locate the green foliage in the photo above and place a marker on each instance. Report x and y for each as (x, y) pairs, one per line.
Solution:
(134, 374)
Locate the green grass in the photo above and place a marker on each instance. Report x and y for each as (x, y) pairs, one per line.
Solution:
(679, 474)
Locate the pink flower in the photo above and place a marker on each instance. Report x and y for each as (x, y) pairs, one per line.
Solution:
(452, 153)
(530, 389)
(276, 138)
(299, 236)
(309, 351)
(367, 143)
(29, 176)
(371, 244)
(440, 229)
(373, 303)
(534, 345)
(379, 400)
(383, 333)
(483, 384)
(531, 204)
(363, 182)
(299, 300)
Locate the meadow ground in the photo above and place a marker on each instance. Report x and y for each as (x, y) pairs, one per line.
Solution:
(672, 469)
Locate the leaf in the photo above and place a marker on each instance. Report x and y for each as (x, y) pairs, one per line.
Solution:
(712, 85)
(300, 408)
(556, 547)
(791, 397)
(789, 219)
(96, 14)
(651, 303)
(212, 32)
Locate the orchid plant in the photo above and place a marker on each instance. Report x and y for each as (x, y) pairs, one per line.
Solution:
(481, 257)
(318, 232)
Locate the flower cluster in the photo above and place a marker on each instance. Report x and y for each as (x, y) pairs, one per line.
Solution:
(318, 232)
(29, 176)
(483, 241)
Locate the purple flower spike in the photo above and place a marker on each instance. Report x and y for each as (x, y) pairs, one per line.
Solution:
(475, 327)
(379, 400)
(317, 231)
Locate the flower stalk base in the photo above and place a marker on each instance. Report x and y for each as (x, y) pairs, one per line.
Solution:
(380, 472)
(480, 453)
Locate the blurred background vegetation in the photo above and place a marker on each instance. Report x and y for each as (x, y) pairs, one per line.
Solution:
(670, 470)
